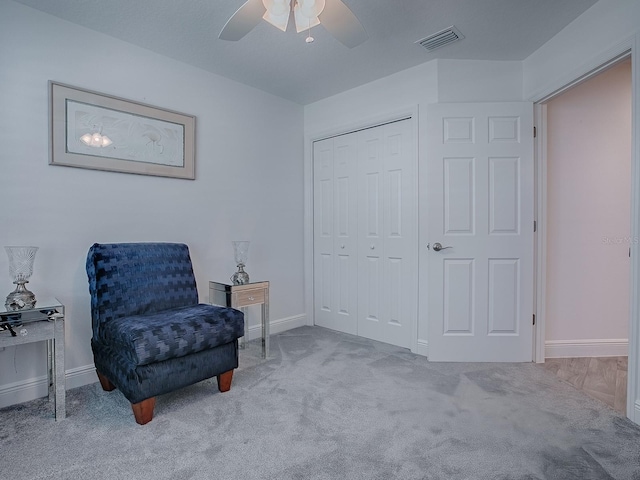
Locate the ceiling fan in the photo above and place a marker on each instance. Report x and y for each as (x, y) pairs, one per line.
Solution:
(334, 15)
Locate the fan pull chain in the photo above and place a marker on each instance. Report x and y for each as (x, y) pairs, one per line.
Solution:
(309, 39)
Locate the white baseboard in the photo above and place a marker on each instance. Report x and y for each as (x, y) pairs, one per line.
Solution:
(567, 348)
(77, 377)
(564, 348)
(32, 388)
(23, 391)
(423, 348)
(586, 348)
(278, 326)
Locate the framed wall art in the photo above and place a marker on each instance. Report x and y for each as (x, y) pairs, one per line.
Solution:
(102, 132)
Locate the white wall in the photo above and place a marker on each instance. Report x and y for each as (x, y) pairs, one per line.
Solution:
(249, 181)
(479, 81)
(591, 39)
(408, 91)
(369, 102)
(588, 221)
(431, 82)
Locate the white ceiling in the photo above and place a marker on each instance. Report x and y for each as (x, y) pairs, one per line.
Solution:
(283, 64)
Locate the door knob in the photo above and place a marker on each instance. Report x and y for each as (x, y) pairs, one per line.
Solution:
(438, 246)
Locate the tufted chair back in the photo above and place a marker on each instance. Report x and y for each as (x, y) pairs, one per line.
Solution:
(128, 279)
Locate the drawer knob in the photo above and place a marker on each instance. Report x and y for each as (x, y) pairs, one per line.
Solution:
(372, 247)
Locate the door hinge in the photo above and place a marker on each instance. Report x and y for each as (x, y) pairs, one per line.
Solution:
(534, 318)
(535, 226)
(535, 132)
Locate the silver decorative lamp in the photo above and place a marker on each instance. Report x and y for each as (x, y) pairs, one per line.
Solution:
(20, 268)
(241, 254)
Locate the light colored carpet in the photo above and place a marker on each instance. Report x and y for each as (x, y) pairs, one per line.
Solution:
(332, 406)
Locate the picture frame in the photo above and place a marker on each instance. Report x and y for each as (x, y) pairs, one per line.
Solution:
(102, 132)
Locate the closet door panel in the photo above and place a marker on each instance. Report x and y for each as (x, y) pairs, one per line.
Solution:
(370, 234)
(345, 228)
(323, 224)
(387, 234)
(335, 231)
(400, 237)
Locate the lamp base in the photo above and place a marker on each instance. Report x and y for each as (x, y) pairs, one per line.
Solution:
(240, 277)
(20, 298)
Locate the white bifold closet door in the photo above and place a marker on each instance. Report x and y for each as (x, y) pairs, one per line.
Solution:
(365, 241)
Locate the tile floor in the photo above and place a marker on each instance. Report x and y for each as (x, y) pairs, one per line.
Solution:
(603, 378)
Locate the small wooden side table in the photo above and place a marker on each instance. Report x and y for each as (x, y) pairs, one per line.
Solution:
(44, 322)
(240, 297)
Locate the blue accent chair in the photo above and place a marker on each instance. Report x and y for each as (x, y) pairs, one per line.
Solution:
(150, 334)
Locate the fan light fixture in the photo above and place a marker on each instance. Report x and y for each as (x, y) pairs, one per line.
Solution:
(335, 16)
(305, 13)
(96, 139)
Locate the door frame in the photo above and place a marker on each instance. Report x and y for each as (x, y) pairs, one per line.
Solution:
(625, 49)
(410, 113)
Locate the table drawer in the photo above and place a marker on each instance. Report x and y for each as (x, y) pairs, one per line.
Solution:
(249, 297)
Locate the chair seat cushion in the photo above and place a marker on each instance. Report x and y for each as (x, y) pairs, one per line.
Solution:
(173, 333)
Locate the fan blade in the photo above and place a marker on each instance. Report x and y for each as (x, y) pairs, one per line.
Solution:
(342, 23)
(243, 21)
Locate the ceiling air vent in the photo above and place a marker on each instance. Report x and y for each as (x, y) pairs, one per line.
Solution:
(440, 39)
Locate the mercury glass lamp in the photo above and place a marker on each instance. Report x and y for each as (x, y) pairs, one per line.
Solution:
(20, 269)
(241, 254)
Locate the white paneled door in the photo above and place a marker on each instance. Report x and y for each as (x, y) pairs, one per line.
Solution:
(387, 270)
(335, 233)
(365, 242)
(480, 231)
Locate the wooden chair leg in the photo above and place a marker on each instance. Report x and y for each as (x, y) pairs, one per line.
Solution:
(143, 411)
(107, 386)
(224, 381)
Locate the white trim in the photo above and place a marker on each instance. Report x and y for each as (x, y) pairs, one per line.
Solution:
(617, 347)
(308, 229)
(32, 388)
(79, 376)
(540, 275)
(633, 373)
(422, 348)
(584, 72)
(361, 124)
(410, 112)
(278, 326)
(587, 76)
(423, 236)
(415, 132)
(23, 391)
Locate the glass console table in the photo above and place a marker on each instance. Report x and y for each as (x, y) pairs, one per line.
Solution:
(44, 322)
